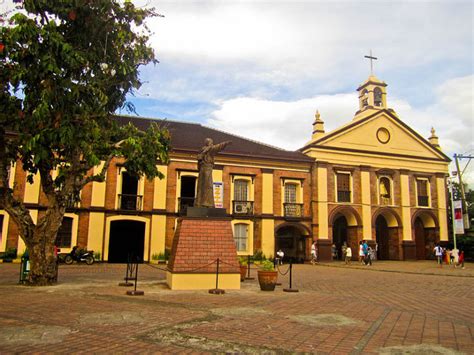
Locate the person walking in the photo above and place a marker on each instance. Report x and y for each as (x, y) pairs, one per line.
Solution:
(314, 253)
(368, 257)
(461, 259)
(365, 250)
(361, 252)
(348, 255)
(439, 254)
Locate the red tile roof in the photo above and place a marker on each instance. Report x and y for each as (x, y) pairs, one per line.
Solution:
(189, 137)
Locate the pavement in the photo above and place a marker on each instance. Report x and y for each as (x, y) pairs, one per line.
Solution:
(388, 308)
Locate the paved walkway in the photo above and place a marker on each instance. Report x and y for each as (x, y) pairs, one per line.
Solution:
(389, 308)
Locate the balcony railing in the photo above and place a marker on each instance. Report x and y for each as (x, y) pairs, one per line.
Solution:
(343, 196)
(130, 202)
(242, 208)
(293, 210)
(184, 203)
(423, 201)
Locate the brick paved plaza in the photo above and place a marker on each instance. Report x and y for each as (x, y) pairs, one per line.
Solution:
(391, 308)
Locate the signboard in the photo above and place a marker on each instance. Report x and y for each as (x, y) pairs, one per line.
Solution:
(219, 195)
(458, 217)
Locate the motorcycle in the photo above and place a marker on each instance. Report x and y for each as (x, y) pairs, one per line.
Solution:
(79, 255)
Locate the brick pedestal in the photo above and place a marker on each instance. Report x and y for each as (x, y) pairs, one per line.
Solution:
(197, 244)
(324, 249)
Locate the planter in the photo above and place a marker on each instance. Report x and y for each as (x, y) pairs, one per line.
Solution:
(267, 280)
(243, 272)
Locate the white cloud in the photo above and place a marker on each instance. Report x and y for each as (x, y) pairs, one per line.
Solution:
(288, 124)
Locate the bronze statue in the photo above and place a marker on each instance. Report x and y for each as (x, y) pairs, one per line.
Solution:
(205, 193)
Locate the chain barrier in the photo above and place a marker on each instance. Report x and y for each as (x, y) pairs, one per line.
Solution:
(283, 273)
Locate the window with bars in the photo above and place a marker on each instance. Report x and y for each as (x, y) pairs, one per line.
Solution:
(422, 191)
(343, 187)
(241, 236)
(63, 239)
(241, 188)
(290, 193)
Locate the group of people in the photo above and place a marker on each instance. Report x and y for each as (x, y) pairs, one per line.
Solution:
(449, 256)
(366, 253)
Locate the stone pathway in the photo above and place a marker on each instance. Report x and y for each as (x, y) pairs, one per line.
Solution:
(404, 309)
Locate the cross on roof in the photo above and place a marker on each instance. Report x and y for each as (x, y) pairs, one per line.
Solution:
(372, 58)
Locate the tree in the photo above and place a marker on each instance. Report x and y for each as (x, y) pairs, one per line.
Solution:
(66, 67)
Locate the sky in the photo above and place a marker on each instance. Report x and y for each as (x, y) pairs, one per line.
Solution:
(260, 69)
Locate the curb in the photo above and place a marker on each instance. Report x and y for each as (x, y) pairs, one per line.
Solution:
(394, 271)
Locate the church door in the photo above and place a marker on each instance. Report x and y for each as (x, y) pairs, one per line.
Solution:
(382, 238)
(420, 240)
(292, 243)
(126, 238)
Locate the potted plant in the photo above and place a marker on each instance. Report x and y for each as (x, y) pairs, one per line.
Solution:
(267, 276)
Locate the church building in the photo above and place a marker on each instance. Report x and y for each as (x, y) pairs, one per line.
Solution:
(373, 179)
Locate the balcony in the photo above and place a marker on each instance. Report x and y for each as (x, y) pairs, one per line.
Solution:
(423, 201)
(242, 208)
(343, 196)
(130, 202)
(184, 203)
(293, 210)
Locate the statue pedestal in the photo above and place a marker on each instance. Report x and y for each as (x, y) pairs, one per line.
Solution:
(197, 244)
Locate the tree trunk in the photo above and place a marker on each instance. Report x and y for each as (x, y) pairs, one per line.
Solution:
(43, 263)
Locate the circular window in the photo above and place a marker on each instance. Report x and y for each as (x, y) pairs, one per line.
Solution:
(383, 135)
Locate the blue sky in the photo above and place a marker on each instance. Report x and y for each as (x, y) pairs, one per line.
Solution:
(262, 68)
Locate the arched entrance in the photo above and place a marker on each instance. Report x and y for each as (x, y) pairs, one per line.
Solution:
(425, 235)
(339, 234)
(345, 226)
(292, 241)
(126, 238)
(382, 238)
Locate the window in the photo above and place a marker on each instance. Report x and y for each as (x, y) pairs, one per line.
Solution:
(385, 191)
(377, 97)
(63, 239)
(422, 189)
(365, 98)
(241, 236)
(343, 187)
(290, 193)
(129, 198)
(241, 188)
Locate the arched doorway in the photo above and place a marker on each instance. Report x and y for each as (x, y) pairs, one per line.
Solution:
(382, 238)
(339, 234)
(126, 238)
(425, 234)
(292, 242)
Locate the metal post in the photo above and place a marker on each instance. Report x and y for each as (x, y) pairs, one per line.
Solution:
(135, 292)
(465, 213)
(128, 272)
(290, 289)
(452, 213)
(248, 269)
(217, 291)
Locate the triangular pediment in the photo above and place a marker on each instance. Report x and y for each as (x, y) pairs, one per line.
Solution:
(381, 133)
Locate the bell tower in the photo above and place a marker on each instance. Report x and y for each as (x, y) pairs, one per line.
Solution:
(372, 93)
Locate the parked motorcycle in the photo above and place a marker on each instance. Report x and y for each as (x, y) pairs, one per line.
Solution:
(79, 255)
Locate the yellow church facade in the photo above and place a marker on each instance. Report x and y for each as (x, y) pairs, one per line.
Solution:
(373, 179)
(378, 180)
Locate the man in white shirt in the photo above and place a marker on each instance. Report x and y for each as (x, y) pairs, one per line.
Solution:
(439, 254)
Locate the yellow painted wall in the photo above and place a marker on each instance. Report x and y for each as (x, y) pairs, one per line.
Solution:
(202, 281)
(159, 198)
(158, 233)
(323, 203)
(442, 212)
(366, 205)
(96, 233)
(6, 221)
(32, 190)
(406, 214)
(267, 193)
(98, 189)
(268, 237)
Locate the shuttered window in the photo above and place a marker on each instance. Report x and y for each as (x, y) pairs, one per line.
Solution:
(241, 188)
(241, 236)
(290, 193)
(63, 239)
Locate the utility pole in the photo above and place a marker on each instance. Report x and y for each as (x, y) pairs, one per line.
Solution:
(461, 186)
